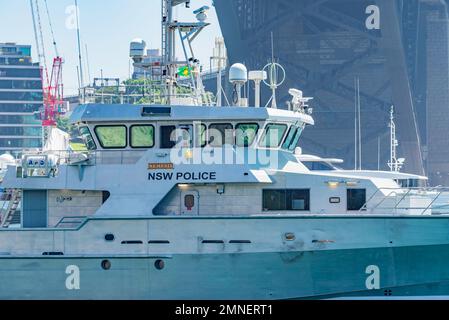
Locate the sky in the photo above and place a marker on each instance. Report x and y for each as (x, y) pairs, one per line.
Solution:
(106, 27)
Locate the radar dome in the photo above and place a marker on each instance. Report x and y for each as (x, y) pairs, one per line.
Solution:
(238, 73)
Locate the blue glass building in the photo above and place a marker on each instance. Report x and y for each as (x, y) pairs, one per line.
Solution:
(21, 98)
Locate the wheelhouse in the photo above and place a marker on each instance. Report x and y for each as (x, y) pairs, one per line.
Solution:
(172, 127)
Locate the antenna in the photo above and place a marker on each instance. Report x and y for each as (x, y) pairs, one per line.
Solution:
(355, 125)
(360, 125)
(378, 153)
(79, 44)
(88, 65)
(273, 69)
(219, 57)
(394, 163)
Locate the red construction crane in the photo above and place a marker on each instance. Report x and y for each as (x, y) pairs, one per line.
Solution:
(53, 95)
(52, 82)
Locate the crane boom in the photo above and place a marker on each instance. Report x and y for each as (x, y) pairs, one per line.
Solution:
(51, 29)
(53, 85)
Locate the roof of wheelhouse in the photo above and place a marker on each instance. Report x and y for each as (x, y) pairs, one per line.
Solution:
(132, 112)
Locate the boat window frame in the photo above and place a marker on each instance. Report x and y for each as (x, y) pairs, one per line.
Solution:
(190, 130)
(255, 135)
(285, 191)
(223, 138)
(352, 208)
(264, 133)
(178, 126)
(293, 128)
(197, 134)
(111, 125)
(296, 137)
(160, 126)
(141, 125)
(91, 135)
(310, 164)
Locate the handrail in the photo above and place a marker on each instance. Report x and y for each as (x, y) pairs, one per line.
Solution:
(429, 195)
(430, 204)
(364, 207)
(14, 196)
(405, 194)
(6, 204)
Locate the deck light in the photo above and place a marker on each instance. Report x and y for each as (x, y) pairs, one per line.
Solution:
(333, 184)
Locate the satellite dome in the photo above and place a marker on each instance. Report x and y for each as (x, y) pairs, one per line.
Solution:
(238, 73)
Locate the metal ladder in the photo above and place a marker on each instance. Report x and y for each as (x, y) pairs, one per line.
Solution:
(11, 215)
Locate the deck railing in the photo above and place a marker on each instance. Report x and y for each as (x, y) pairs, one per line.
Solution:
(413, 201)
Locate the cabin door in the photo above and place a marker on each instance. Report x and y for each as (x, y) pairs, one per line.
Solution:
(189, 202)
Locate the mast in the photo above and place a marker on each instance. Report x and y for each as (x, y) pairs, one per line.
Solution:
(188, 31)
(395, 164)
(79, 44)
(355, 125)
(360, 124)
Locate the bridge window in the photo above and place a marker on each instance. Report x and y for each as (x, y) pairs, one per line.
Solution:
(111, 137)
(245, 134)
(286, 199)
(180, 136)
(273, 135)
(356, 198)
(184, 136)
(87, 138)
(318, 165)
(289, 137)
(167, 137)
(201, 135)
(220, 134)
(142, 136)
(295, 140)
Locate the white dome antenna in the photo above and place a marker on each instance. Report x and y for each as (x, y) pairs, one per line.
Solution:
(238, 76)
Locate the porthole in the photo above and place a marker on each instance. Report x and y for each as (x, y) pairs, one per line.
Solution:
(106, 264)
(109, 237)
(159, 264)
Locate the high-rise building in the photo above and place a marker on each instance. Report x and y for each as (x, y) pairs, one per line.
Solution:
(21, 98)
(398, 51)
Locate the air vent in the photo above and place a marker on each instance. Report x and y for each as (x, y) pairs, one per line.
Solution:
(156, 112)
(239, 241)
(212, 241)
(158, 242)
(52, 253)
(132, 242)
